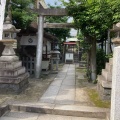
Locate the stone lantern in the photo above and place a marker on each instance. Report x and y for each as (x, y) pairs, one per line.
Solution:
(55, 57)
(13, 77)
(8, 40)
(116, 29)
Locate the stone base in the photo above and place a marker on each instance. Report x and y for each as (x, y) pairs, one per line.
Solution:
(13, 85)
(9, 58)
(104, 93)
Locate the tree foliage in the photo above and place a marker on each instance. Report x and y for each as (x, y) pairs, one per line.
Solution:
(94, 17)
(61, 33)
(21, 17)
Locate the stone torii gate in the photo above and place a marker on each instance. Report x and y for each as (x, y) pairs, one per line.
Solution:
(41, 25)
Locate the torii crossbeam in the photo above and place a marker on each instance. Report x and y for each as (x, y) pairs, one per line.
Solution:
(50, 11)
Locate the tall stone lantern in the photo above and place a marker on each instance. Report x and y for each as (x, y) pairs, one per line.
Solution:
(116, 30)
(13, 77)
(9, 32)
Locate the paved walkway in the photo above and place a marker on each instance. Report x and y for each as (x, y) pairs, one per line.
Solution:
(62, 89)
(61, 101)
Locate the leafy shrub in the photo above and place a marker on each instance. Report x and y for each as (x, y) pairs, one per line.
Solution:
(101, 59)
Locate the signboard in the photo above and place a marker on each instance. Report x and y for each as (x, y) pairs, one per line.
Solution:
(2, 11)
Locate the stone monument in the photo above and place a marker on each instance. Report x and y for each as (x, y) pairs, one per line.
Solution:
(104, 84)
(55, 58)
(13, 77)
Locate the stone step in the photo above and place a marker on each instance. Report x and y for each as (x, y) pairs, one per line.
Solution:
(3, 109)
(104, 88)
(10, 65)
(12, 73)
(14, 80)
(108, 67)
(66, 110)
(13, 85)
(103, 82)
(14, 115)
(108, 116)
(111, 60)
(106, 75)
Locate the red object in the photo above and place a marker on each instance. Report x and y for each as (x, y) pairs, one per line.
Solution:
(69, 43)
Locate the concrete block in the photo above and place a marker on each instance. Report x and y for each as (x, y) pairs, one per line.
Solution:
(12, 73)
(106, 75)
(80, 111)
(109, 67)
(10, 65)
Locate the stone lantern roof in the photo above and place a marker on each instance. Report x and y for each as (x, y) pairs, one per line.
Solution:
(116, 27)
(8, 27)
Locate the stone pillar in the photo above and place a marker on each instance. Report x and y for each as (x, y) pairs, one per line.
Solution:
(39, 47)
(115, 98)
(2, 11)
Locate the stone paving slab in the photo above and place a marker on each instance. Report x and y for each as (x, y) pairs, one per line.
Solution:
(55, 93)
(50, 95)
(13, 115)
(23, 115)
(53, 117)
(68, 82)
(10, 118)
(80, 111)
(57, 82)
(32, 107)
(66, 110)
(65, 97)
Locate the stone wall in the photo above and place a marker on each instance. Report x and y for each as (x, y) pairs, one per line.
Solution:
(104, 84)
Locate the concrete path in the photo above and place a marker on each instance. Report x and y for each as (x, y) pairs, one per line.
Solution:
(63, 100)
(13, 115)
(62, 90)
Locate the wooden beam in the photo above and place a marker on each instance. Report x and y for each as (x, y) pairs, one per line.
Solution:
(58, 25)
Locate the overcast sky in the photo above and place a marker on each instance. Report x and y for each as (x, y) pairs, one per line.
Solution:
(51, 2)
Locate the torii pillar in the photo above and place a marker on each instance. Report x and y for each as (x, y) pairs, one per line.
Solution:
(43, 12)
(38, 67)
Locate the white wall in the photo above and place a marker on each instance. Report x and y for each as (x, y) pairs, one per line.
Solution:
(2, 11)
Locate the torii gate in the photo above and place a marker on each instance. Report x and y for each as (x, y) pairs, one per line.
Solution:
(41, 25)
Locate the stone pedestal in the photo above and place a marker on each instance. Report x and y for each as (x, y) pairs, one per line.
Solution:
(13, 77)
(104, 84)
(115, 100)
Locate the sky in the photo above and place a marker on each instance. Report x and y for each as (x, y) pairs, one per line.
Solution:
(51, 2)
(73, 32)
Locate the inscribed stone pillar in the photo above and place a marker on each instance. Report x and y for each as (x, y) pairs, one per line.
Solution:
(2, 11)
(115, 98)
(39, 48)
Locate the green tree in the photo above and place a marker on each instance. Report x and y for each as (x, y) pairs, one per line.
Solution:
(61, 33)
(21, 17)
(94, 18)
